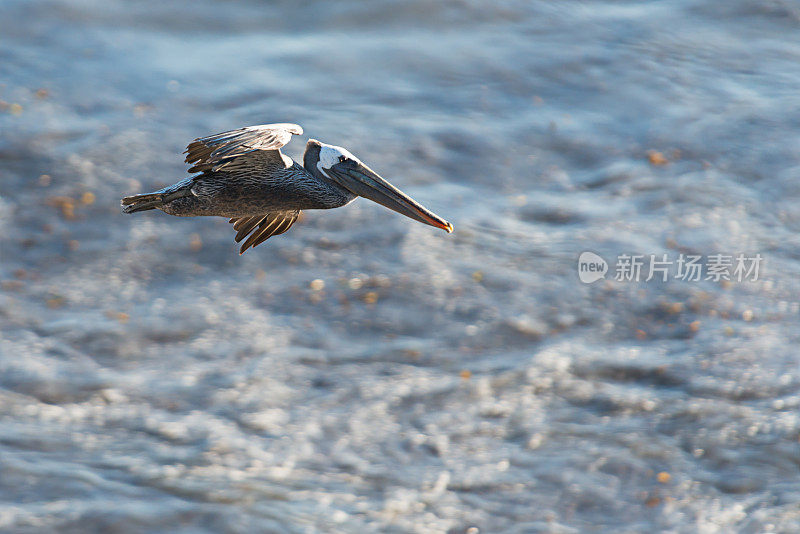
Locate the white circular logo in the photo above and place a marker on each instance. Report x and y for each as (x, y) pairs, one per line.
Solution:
(591, 267)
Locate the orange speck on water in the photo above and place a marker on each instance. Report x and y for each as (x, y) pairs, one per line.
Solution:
(55, 302)
(11, 285)
(465, 374)
(652, 501)
(729, 331)
(355, 283)
(675, 307)
(412, 353)
(88, 198)
(641, 334)
(317, 285)
(694, 326)
(663, 477)
(122, 317)
(66, 204)
(139, 110)
(656, 158)
(195, 243)
(371, 297)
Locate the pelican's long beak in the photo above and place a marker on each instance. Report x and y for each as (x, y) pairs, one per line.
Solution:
(364, 182)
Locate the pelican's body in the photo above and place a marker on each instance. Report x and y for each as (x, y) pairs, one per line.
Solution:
(244, 176)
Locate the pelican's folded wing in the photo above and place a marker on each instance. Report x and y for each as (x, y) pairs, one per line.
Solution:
(262, 227)
(212, 152)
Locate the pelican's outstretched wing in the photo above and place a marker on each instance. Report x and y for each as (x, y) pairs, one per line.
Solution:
(262, 227)
(212, 152)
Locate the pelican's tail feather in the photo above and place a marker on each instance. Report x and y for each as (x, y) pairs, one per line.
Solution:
(147, 201)
(151, 201)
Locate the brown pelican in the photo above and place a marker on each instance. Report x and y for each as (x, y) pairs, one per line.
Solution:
(244, 176)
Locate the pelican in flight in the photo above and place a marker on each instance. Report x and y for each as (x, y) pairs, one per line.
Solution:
(244, 176)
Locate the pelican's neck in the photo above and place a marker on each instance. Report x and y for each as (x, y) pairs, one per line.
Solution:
(311, 160)
(326, 192)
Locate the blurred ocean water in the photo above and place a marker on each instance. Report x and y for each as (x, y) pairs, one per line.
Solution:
(366, 373)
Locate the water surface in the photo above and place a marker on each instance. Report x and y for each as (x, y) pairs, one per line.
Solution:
(152, 380)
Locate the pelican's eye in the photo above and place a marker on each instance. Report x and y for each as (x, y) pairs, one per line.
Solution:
(342, 159)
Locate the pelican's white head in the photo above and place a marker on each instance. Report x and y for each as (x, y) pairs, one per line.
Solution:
(324, 156)
(330, 155)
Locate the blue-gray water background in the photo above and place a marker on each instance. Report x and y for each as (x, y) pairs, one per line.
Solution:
(152, 380)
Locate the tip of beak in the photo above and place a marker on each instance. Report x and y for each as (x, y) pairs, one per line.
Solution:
(448, 228)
